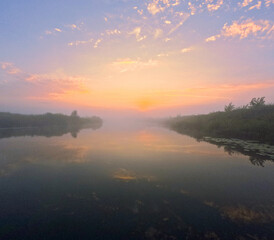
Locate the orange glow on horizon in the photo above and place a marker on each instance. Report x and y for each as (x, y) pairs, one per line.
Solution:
(148, 100)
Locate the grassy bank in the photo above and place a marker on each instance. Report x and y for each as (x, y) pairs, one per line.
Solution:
(252, 122)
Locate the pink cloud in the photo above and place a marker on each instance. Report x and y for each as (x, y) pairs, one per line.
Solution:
(262, 29)
(46, 85)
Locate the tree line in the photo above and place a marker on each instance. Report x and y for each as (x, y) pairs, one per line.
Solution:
(254, 121)
(11, 120)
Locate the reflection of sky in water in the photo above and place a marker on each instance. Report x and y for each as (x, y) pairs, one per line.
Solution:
(152, 183)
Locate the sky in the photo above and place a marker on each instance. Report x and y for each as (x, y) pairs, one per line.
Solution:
(140, 57)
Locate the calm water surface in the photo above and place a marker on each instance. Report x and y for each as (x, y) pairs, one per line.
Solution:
(131, 183)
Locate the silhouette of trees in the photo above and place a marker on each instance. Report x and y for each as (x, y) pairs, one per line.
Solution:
(74, 114)
(257, 102)
(10, 120)
(254, 123)
(230, 107)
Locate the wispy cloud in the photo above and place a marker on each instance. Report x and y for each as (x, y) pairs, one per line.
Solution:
(257, 6)
(212, 92)
(186, 50)
(74, 26)
(80, 42)
(262, 29)
(211, 6)
(248, 27)
(212, 38)
(182, 18)
(128, 64)
(64, 28)
(157, 6)
(137, 33)
(245, 3)
(269, 2)
(98, 41)
(158, 33)
(113, 32)
(48, 84)
(55, 30)
(9, 68)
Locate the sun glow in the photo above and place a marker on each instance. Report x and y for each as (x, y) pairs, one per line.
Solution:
(154, 55)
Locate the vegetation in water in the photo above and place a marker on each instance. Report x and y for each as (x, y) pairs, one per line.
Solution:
(258, 153)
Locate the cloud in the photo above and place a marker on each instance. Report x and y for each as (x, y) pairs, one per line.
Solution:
(73, 27)
(137, 33)
(248, 27)
(269, 2)
(96, 44)
(48, 32)
(9, 68)
(66, 27)
(213, 38)
(113, 32)
(128, 64)
(157, 6)
(186, 50)
(183, 17)
(158, 33)
(192, 8)
(55, 30)
(78, 42)
(232, 87)
(258, 5)
(140, 12)
(47, 85)
(154, 7)
(175, 52)
(213, 7)
(262, 29)
(163, 55)
(245, 3)
(209, 93)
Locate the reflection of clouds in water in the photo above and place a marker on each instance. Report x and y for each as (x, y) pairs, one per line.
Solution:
(17, 155)
(184, 192)
(152, 141)
(242, 214)
(138, 204)
(123, 174)
(127, 175)
(162, 142)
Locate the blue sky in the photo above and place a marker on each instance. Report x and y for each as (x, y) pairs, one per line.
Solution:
(144, 56)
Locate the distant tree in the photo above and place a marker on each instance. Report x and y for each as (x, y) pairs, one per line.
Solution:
(257, 102)
(230, 107)
(245, 106)
(74, 114)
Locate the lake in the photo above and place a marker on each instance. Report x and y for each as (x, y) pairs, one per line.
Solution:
(132, 182)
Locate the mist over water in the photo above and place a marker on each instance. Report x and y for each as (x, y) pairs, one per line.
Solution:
(131, 180)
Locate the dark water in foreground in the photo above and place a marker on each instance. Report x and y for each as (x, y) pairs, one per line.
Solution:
(131, 183)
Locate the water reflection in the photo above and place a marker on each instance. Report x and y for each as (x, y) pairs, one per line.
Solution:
(142, 183)
(46, 131)
(258, 153)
